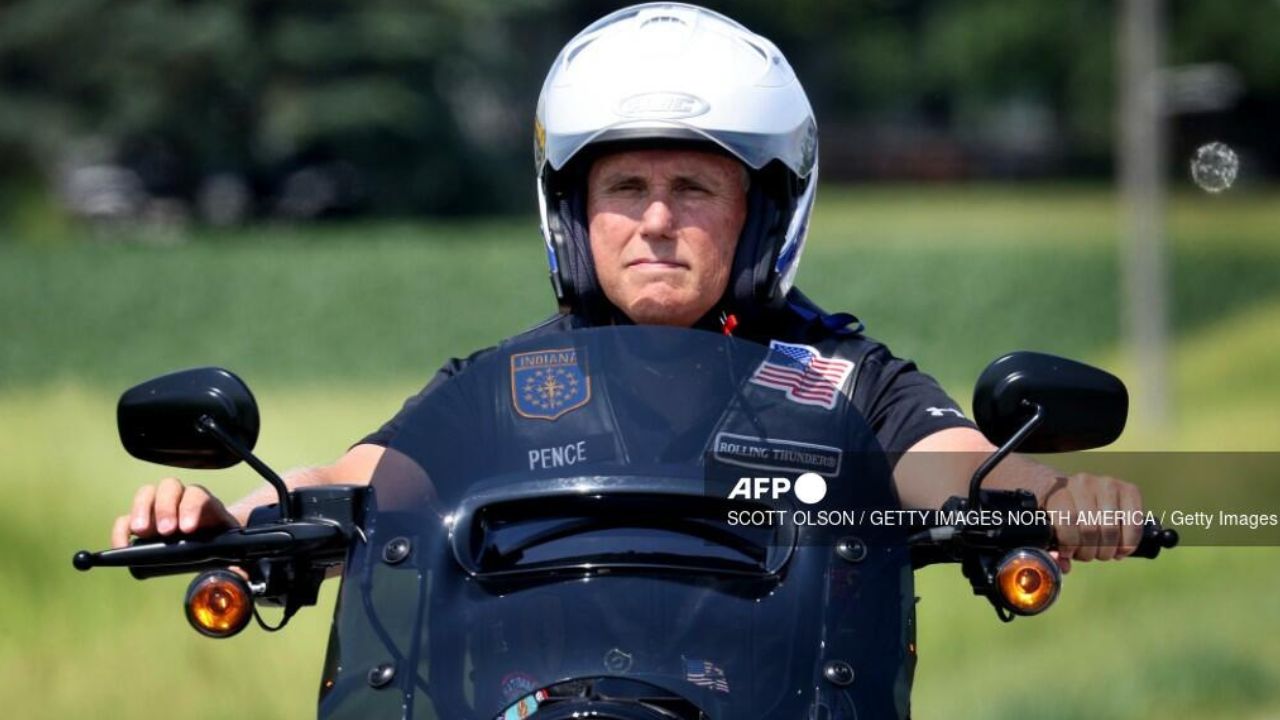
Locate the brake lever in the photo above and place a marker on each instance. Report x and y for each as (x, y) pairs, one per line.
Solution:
(329, 515)
(187, 553)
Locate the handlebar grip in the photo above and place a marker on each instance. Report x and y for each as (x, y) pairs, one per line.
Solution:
(1155, 539)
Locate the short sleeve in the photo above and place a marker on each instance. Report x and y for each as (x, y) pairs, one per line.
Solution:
(387, 433)
(902, 404)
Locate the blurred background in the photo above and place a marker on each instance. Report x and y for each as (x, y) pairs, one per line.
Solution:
(330, 198)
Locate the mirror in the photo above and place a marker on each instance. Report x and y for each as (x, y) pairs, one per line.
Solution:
(1083, 407)
(158, 419)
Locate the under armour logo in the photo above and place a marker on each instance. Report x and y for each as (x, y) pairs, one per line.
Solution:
(939, 412)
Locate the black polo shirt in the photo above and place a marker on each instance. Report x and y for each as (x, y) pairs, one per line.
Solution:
(901, 404)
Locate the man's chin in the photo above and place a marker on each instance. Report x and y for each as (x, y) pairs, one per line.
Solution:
(664, 311)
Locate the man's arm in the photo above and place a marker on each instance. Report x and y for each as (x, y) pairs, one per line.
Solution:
(170, 507)
(354, 468)
(941, 464)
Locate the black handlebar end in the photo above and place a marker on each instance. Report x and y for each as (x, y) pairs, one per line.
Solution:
(1155, 539)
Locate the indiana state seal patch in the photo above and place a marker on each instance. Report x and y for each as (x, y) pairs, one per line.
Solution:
(546, 384)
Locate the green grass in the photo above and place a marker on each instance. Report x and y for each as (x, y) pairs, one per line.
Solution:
(333, 326)
(1179, 637)
(937, 274)
(102, 644)
(368, 301)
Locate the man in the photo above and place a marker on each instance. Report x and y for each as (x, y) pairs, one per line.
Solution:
(676, 156)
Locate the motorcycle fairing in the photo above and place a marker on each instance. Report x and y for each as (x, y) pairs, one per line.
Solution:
(650, 404)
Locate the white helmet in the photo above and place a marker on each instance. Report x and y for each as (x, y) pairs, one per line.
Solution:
(668, 73)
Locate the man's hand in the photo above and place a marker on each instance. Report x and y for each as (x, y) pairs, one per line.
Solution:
(1093, 541)
(940, 465)
(170, 507)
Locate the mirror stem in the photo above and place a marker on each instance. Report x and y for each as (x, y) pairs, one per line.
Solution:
(1010, 445)
(207, 424)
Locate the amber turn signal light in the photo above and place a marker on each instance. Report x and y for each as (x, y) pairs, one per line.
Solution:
(1028, 580)
(219, 603)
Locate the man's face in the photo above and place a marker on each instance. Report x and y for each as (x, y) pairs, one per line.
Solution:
(664, 225)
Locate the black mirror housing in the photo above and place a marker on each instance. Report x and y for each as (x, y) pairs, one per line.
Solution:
(1083, 407)
(160, 420)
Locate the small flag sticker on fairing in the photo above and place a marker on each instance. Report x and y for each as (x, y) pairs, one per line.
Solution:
(803, 374)
(525, 707)
(705, 673)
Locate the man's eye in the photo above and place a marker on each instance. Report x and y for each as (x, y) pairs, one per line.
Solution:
(692, 188)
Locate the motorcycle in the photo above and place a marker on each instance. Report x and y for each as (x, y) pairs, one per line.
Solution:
(636, 523)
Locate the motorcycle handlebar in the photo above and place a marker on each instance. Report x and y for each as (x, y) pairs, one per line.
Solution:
(941, 543)
(188, 554)
(1155, 539)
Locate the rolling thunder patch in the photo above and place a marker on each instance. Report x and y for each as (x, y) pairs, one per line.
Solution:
(774, 454)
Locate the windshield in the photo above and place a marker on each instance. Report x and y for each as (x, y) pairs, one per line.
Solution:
(564, 526)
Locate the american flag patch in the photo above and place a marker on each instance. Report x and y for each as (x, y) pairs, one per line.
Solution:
(805, 376)
(705, 673)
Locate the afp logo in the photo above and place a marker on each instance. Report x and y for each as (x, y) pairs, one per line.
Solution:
(808, 488)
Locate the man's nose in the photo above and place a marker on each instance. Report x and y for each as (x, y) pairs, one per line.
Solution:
(658, 221)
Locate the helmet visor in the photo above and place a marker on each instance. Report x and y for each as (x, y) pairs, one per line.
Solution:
(796, 149)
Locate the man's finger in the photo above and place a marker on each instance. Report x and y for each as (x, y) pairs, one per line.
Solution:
(120, 532)
(142, 520)
(1067, 534)
(1110, 532)
(200, 509)
(1083, 495)
(168, 494)
(1130, 502)
(1064, 562)
(191, 508)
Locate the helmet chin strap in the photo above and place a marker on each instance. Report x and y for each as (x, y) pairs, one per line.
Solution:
(582, 292)
(753, 283)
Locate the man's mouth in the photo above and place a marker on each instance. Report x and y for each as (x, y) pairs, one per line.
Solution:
(656, 263)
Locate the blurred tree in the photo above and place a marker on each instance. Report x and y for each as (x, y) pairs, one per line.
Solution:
(984, 52)
(423, 102)
(393, 106)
